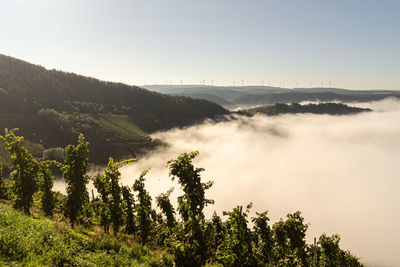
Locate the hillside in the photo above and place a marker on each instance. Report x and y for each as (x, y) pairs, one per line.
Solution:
(233, 97)
(294, 108)
(36, 241)
(106, 229)
(52, 107)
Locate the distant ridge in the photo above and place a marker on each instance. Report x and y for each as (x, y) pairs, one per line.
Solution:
(294, 108)
(233, 97)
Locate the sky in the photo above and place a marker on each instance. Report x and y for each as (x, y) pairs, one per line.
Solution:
(351, 44)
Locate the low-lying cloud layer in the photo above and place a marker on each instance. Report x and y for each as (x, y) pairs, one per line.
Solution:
(341, 172)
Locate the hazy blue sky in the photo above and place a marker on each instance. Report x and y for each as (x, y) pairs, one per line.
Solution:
(350, 43)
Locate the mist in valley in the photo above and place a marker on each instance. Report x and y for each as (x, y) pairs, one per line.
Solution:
(341, 172)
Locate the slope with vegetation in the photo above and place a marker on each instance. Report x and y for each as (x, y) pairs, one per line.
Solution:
(51, 108)
(38, 241)
(294, 108)
(189, 239)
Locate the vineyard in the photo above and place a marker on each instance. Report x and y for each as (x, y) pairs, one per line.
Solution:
(120, 225)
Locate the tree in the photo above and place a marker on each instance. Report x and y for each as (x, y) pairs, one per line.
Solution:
(191, 245)
(74, 174)
(237, 247)
(26, 170)
(331, 255)
(47, 185)
(166, 207)
(102, 184)
(115, 203)
(143, 208)
(3, 188)
(280, 240)
(129, 202)
(107, 184)
(113, 175)
(296, 232)
(217, 231)
(330, 251)
(164, 229)
(290, 241)
(263, 235)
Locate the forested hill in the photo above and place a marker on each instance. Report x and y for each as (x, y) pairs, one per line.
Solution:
(52, 107)
(294, 108)
(26, 88)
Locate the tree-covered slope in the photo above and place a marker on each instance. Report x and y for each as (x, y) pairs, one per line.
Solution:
(26, 88)
(294, 108)
(52, 107)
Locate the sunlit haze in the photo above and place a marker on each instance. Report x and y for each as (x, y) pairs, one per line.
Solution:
(341, 172)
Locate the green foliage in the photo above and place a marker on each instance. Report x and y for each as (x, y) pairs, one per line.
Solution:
(85, 215)
(108, 186)
(263, 238)
(129, 203)
(25, 241)
(111, 204)
(296, 233)
(192, 203)
(166, 207)
(26, 172)
(165, 228)
(115, 200)
(216, 231)
(74, 174)
(48, 201)
(330, 251)
(330, 254)
(190, 248)
(3, 188)
(102, 184)
(59, 202)
(290, 241)
(237, 246)
(143, 208)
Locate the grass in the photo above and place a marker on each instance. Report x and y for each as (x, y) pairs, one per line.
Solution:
(37, 241)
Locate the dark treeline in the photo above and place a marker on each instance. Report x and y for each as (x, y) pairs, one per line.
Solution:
(185, 232)
(294, 108)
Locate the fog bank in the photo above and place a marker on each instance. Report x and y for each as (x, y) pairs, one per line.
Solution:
(341, 172)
